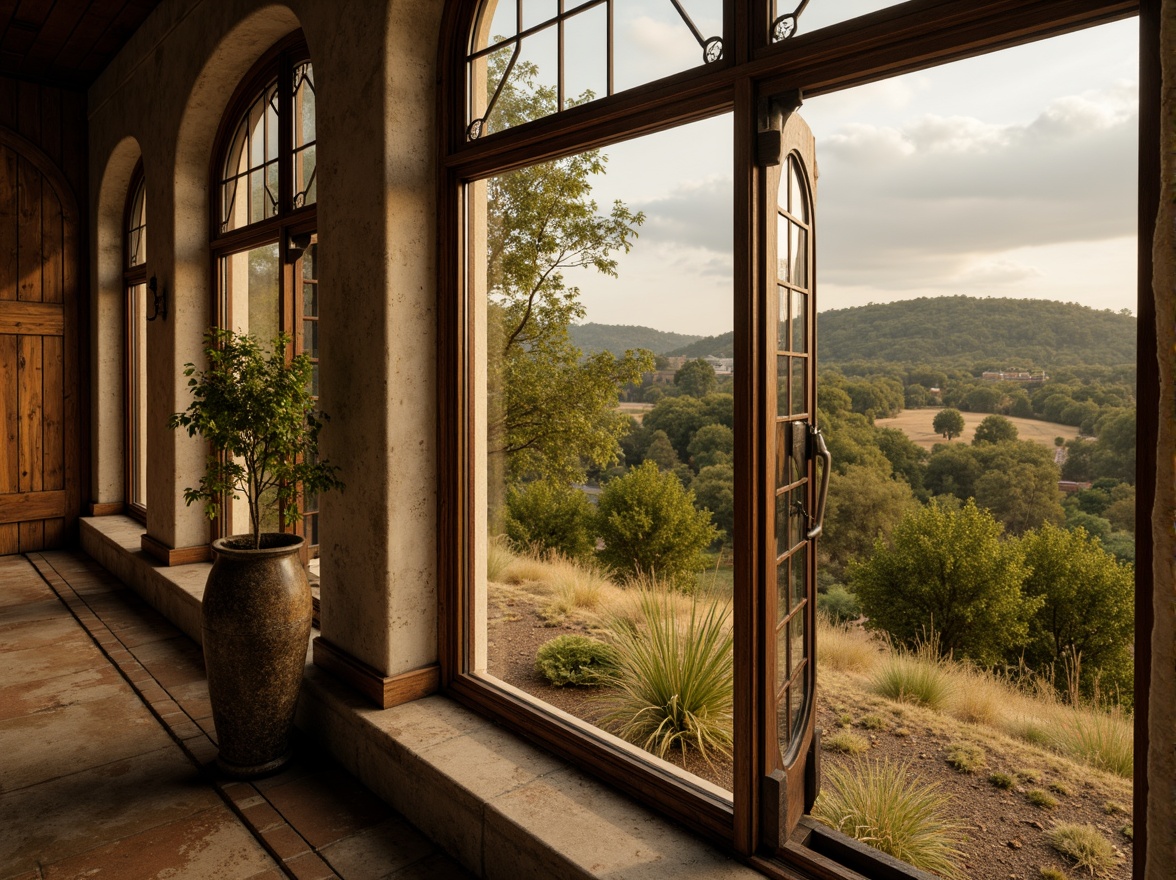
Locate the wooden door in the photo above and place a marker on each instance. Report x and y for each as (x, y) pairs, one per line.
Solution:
(793, 486)
(38, 373)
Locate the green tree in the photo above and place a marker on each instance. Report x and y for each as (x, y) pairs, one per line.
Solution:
(994, 429)
(864, 505)
(650, 526)
(948, 571)
(1087, 606)
(696, 378)
(550, 411)
(711, 444)
(550, 515)
(953, 470)
(948, 423)
(661, 452)
(907, 459)
(714, 490)
(1021, 495)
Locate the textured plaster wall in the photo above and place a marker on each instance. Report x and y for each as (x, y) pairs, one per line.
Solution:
(375, 70)
(1161, 818)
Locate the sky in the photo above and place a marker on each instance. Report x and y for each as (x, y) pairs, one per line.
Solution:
(1009, 175)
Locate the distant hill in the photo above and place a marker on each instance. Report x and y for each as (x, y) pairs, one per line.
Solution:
(619, 338)
(721, 346)
(1013, 333)
(1020, 333)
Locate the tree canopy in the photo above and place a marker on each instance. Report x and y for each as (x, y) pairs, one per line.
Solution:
(948, 422)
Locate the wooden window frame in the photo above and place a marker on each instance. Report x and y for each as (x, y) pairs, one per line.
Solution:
(285, 226)
(132, 276)
(904, 38)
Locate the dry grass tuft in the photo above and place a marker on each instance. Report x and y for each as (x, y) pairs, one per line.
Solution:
(1085, 846)
(846, 742)
(845, 647)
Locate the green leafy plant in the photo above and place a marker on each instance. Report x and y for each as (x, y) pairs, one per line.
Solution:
(576, 660)
(1085, 846)
(887, 806)
(550, 515)
(650, 525)
(675, 684)
(965, 757)
(256, 411)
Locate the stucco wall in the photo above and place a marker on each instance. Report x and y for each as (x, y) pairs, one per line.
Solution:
(374, 70)
(1161, 818)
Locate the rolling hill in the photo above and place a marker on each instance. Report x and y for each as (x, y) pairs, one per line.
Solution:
(1019, 333)
(619, 338)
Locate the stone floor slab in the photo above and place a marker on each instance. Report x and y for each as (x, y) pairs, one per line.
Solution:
(378, 852)
(83, 811)
(327, 806)
(28, 698)
(46, 745)
(210, 844)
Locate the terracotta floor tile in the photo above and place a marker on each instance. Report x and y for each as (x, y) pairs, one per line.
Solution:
(193, 698)
(261, 816)
(328, 806)
(378, 852)
(285, 841)
(34, 634)
(211, 844)
(65, 657)
(46, 608)
(173, 662)
(50, 744)
(75, 813)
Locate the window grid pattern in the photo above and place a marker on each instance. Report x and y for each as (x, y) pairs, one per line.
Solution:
(523, 44)
(308, 344)
(249, 184)
(305, 165)
(793, 678)
(136, 243)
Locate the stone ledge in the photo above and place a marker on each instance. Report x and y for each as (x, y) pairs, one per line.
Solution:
(502, 807)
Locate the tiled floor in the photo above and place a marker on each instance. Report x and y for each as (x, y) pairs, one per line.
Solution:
(106, 744)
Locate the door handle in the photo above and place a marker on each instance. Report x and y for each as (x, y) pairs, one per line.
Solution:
(822, 452)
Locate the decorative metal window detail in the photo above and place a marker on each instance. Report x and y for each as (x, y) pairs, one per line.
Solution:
(136, 250)
(305, 159)
(494, 57)
(785, 26)
(249, 183)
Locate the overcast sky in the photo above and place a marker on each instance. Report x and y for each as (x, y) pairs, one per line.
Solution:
(1009, 175)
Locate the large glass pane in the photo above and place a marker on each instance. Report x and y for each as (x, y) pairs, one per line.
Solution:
(787, 24)
(562, 426)
(799, 317)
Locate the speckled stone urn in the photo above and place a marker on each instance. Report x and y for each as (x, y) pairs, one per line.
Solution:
(256, 619)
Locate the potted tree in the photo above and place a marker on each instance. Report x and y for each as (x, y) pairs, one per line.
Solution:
(256, 411)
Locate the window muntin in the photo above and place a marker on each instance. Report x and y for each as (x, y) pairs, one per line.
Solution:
(932, 39)
(576, 51)
(135, 295)
(264, 248)
(790, 18)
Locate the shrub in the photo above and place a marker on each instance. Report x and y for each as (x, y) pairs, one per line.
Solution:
(888, 807)
(966, 757)
(1083, 845)
(1001, 780)
(918, 677)
(576, 660)
(675, 683)
(548, 515)
(1059, 788)
(1041, 799)
(846, 742)
(839, 604)
(1052, 874)
(952, 571)
(650, 526)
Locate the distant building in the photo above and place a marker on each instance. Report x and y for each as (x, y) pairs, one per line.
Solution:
(721, 366)
(1014, 376)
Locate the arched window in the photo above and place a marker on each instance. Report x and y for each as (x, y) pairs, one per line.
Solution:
(264, 237)
(135, 334)
(540, 111)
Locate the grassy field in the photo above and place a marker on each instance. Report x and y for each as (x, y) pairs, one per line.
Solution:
(916, 424)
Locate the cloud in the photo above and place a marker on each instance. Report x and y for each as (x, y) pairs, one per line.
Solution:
(693, 214)
(900, 207)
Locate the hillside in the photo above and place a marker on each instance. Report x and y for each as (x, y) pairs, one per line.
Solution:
(1013, 333)
(619, 338)
(1003, 333)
